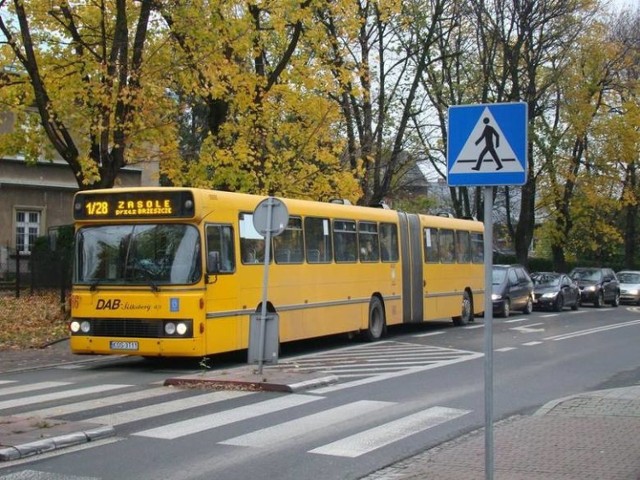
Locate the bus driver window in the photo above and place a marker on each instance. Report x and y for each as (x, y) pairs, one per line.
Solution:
(220, 239)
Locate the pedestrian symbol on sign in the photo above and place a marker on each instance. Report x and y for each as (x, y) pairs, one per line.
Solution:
(486, 143)
(487, 135)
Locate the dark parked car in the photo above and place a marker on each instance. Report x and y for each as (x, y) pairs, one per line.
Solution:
(597, 285)
(512, 290)
(629, 286)
(554, 291)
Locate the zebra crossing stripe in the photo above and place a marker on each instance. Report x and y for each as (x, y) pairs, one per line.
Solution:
(301, 426)
(47, 397)
(87, 405)
(374, 438)
(209, 422)
(2, 382)
(395, 374)
(31, 387)
(164, 408)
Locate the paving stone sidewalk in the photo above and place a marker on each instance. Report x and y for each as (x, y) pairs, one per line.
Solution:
(593, 436)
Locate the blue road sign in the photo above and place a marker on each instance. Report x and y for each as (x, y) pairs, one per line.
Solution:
(487, 145)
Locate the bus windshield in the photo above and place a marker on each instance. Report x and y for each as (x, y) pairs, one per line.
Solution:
(156, 254)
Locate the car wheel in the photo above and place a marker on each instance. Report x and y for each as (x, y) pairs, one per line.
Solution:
(616, 300)
(506, 308)
(528, 308)
(599, 301)
(576, 305)
(559, 303)
(466, 311)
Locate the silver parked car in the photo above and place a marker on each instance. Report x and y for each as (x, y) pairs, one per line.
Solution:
(629, 286)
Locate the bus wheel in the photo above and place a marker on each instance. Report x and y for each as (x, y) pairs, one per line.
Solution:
(377, 320)
(466, 312)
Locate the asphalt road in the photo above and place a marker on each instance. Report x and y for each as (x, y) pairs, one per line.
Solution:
(421, 386)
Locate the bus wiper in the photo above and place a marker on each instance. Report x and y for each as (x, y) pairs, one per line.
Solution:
(154, 286)
(94, 284)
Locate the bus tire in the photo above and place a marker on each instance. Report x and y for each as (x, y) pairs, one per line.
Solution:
(466, 311)
(377, 321)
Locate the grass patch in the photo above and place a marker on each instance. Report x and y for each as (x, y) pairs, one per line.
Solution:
(32, 320)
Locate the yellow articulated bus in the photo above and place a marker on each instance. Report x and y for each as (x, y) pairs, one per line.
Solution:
(179, 271)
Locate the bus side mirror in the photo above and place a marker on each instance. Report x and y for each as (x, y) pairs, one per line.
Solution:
(213, 262)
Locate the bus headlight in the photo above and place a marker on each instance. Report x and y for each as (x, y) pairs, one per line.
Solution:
(169, 328)
(181, 328)
(178, 328)
(77, 326)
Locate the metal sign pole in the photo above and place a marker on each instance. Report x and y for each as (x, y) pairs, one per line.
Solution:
(488, 332)
(265, 282)
(270, 219)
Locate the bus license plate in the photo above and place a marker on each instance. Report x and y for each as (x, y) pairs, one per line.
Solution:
(115, 345)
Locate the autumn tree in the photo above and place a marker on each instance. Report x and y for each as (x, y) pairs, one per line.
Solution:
(377, 59)
(588, 148)
(270, 125)
(82, 68)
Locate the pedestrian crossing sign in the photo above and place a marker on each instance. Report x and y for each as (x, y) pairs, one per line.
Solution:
(487, 144)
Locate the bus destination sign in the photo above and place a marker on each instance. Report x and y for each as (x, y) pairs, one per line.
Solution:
(131, 205)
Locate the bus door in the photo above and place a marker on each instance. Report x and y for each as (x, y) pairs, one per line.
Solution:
(223, 330)
(412, 276)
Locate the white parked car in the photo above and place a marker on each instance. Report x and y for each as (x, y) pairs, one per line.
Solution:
(629, 286)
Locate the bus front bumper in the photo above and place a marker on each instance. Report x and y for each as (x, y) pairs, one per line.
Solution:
(146, 347)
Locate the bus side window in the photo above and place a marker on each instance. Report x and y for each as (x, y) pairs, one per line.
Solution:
(251, 242)
(477, 248)
(317, 240)
(288, 245)
(368, 239)
(447, 246)
(220, 239)
(463, 248)
(345, 240)
(388, 242)
(431, 245)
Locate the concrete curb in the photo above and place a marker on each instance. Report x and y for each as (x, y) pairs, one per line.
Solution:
(290, 384)
(28, 449)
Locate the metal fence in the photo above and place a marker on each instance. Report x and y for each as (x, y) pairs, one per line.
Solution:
(48, 266)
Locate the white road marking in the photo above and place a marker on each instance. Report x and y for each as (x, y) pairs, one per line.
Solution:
(218, 419)
(531, 344)
(296, 428)
(374, 438)
(31, 387)
(102, 402)
(516, 320)
(528, 328)
(590, 331)
(165, 408)
(505, 349)
(399, 373)
(47, 397)
(430, 334)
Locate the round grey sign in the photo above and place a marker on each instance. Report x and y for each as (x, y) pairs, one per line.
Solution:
(279, 216)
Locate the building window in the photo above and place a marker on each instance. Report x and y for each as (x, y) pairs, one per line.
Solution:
(27, 230)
